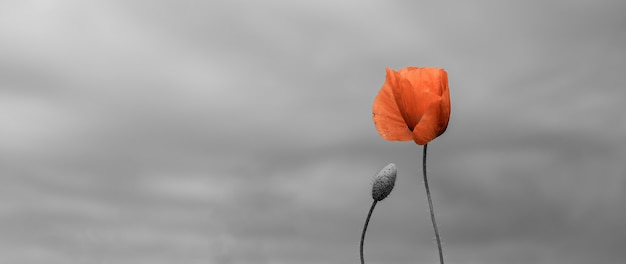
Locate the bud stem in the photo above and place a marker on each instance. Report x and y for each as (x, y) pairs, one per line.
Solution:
(430, 204)
(367, 221)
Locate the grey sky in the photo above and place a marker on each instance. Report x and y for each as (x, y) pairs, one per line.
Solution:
(241, 132)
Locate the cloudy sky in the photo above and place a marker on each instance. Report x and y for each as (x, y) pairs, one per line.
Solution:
(240, 132)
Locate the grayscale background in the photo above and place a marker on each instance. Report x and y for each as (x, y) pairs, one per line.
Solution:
(240, 132)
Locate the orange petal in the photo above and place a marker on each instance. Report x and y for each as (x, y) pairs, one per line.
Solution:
(428, 80)
(412, 101)
(433, 123)
(388, 120)
(444, 83)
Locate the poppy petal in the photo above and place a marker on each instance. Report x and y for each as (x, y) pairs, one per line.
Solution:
(433, 123)
(388, 120)
(426, 79)
(412, 101)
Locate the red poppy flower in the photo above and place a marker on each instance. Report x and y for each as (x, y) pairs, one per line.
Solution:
(414, 103)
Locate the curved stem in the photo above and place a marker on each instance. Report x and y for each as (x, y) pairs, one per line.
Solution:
(430, 204)
(367, 221)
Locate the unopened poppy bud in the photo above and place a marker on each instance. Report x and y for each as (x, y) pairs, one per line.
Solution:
(384, 182)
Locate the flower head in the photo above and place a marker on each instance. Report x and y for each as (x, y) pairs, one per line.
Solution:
(384, 182)
(413, 103)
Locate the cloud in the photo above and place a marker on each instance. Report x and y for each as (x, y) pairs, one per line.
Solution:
(246, 127)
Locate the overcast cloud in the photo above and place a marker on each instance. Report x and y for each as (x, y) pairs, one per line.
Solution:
(241, 132)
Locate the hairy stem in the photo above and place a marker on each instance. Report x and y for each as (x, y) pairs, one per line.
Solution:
(367, 221)
(430, 204)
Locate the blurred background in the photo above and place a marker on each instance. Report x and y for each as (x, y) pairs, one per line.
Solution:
(241, 132)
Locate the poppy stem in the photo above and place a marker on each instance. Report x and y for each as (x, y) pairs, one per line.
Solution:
(430, 204)
(367, 221)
